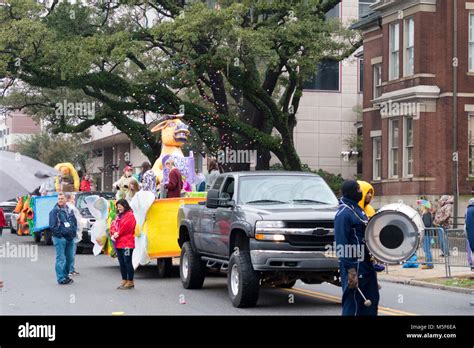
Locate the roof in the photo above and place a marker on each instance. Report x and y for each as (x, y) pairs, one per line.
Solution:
(365, 21)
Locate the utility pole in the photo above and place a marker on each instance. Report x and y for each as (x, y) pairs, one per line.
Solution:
(455, 178)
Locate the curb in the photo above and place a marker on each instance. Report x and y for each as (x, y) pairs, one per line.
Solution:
(423, 284)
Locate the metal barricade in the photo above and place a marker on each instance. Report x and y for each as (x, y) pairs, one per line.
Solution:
(459, 251)
(433, 248)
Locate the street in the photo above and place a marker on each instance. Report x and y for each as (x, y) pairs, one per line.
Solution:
(31, 288)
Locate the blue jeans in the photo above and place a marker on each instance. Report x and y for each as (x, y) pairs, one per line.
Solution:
(64, 257)
(427, 249)
(442, 242)
(71, 266)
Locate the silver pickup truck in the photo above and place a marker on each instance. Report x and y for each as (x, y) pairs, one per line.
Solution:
(262, 228)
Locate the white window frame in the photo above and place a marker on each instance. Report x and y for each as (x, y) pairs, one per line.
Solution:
(408, 70)
(376, 161)
(377, 92)
(471, 41)
(407, 146)
(394, 51)
(470, 143)
(391, 148)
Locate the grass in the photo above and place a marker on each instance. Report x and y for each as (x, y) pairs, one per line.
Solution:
(466, 282)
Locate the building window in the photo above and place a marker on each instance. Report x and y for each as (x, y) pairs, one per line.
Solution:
(394, 51)
(326, 77)
(377, 69)
(471, 42)
(409, 62)
(471, 145)
(364, 8)
(377, 158)
(361, 75)
(393, 149)
(333, 13)
(408, 147)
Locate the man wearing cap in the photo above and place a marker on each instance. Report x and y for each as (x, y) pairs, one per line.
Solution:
(357, 271)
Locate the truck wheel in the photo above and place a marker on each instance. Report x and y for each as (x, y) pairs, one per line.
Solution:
(191, 268)
(37, 237)
(243, 283)
(287, 285)
(12, 230)
(165, 266)
(48, 237)
(79, 250)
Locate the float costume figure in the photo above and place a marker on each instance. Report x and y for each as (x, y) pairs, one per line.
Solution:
(174, 134)
(25, 216)
(68, 181)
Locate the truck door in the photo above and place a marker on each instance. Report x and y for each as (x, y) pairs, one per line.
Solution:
(204, 234)
(223, 219)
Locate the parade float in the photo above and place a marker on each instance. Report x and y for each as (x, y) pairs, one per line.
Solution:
(156, 233)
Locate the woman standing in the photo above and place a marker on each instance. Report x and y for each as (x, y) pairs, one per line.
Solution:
(122, 231)
(134, 188)
(214, 172)
(85, 184)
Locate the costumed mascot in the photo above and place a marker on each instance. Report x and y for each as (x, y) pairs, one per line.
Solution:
(122, 185)
(68, 181)
(174, 134)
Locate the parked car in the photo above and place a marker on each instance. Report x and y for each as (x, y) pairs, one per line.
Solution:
(8, 208)
(262, 228)
(87, 217)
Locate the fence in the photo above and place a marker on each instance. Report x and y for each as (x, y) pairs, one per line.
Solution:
(448, 247)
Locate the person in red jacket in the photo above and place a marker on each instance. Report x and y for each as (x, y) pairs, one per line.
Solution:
(175, 183)
(85, 184)
(3, 222)
(122, 231)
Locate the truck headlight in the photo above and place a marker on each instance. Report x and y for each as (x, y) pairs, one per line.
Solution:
(271, 237)
(269, 224)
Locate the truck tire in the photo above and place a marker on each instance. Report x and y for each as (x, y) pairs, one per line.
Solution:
(12, 230)
(48, 237)
(165, 266)
(243, 283)
(191, 268)
(79, 250)
(37, 237)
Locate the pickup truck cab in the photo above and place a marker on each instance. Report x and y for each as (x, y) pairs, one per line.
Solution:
(262, 228)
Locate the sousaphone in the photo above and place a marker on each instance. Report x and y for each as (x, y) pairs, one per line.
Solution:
(394, 233)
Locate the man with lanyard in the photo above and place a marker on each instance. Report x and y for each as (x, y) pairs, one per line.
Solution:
(357, 271)
(63, 225)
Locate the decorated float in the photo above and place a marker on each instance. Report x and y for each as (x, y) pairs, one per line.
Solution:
(156, 234)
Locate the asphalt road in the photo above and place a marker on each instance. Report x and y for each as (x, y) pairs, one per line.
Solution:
(30, 288)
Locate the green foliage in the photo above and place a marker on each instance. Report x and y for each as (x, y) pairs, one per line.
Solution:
(54, 149)
(334, 181)
(237, 71)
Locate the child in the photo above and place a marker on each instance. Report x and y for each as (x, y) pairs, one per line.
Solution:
(425, 207)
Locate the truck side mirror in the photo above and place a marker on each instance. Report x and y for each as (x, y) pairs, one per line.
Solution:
(212, 200)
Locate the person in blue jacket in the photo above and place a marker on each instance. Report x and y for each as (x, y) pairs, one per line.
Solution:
(470, 223)
(63, 225)
(357, 271)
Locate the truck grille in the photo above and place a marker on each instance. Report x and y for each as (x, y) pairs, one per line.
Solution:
(311, 241)
(309, 224)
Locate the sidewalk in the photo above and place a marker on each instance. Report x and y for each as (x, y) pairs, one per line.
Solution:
(419, 277)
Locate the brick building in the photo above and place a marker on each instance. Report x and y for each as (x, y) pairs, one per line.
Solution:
(408, 98)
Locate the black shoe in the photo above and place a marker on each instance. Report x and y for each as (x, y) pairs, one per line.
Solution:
(67, 281)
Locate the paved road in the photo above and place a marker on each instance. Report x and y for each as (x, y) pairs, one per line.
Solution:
(30, 288)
